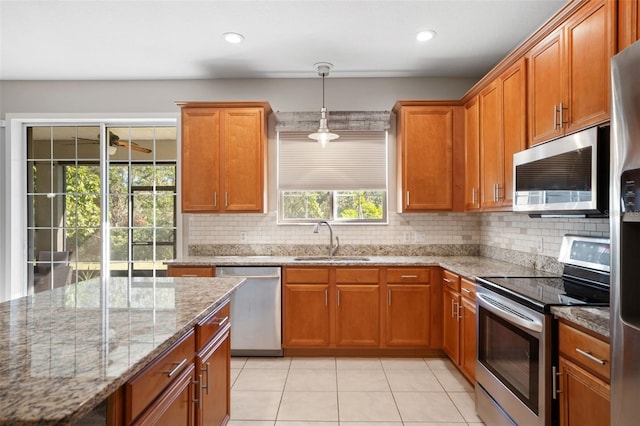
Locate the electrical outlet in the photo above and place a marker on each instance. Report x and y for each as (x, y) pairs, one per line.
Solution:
(243, 236)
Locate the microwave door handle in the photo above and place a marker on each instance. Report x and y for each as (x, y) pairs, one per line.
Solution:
(492, 306)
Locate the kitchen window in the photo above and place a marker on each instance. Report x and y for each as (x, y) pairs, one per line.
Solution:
(344, 182)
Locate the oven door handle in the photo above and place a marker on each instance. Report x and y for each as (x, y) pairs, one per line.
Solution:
(509, 314)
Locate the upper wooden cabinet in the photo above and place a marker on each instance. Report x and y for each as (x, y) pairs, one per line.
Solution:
(472, 154)
(224, 156)
(502, 133)
(628, 23)
(429, 151)
(569, 73)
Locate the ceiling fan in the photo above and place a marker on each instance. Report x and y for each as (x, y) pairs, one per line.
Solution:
(115, 142)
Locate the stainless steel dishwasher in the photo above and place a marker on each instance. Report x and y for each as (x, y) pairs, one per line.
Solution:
(256, 311)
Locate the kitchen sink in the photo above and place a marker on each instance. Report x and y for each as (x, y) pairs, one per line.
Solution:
(331, 259)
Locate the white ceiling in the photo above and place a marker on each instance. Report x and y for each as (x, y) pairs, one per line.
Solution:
(182, 39)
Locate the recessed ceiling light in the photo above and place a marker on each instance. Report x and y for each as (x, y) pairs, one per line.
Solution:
(425, 35)
(233, 38)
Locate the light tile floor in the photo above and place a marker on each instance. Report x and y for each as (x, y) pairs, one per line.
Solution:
(350, 392)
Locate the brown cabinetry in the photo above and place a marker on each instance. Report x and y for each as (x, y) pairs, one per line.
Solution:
(628, 23)
(502, 134)
(459, 322)
(409, 308)
(583, 377)
(356, 309)
(428, 152)
(191, 271)
(188, 384)
(224, 156)
(569, 73)
(472, 154)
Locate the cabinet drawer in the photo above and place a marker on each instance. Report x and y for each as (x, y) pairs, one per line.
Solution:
(191, 271)
(451, 280)
(584, 349)
(409, 275)
(306, 275)
(468, 289)
(145, 386)
(357, 275)
(208, 327)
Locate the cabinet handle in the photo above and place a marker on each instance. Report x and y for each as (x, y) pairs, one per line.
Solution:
(562, 122)
(226, 199)
(215, 199)
(555, 120)
(554, 382)
(473, 196)
(206, 370)
(452, 308)
(389, 297)
(408, 276)
(459, 312)
(326, 297)
(466, 290)
(591, 357)
(188, 275)
(198, 383)
(338, 297)
(222, 321)
(447, 280)
(408, 202)
(176, 368)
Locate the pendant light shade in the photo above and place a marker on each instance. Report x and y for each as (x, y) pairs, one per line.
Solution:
(323, 135)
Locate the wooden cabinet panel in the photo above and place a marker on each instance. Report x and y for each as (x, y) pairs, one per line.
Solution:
(358, 315)
(408, 316)
(191, 271)
(472, 154)
(409, 275)
(425, 158)
(175, 405)
(224, 156)
(244, 159)
(584, 398)
(514, 124)
(590, 45)
(468, 338)
(585, 350)
(214, 380)
(546, 86)
(491, 153)
(306, 315)
(451, 323)
(200, 159)
(569, 73)
(628, 23)
(207, 328)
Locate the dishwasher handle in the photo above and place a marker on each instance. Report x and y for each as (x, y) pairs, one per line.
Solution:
(260, 277)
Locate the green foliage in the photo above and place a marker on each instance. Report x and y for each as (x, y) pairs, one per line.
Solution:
(365, 205)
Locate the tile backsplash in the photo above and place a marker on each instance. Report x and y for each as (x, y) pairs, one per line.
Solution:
(505, 236)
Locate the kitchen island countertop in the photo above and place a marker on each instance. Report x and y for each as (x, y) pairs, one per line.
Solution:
(64, 351)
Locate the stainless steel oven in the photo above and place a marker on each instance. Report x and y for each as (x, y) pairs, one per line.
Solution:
(515, 333)
(513, 361)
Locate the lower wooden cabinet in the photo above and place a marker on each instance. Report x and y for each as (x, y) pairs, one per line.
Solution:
(358, 308)
(191, 271)
(451, 315)
(584, 375)
(213, 365)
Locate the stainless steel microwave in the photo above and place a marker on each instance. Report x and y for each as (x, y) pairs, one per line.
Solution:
(568, 176)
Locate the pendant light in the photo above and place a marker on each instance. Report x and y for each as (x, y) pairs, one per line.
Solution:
(323, 135)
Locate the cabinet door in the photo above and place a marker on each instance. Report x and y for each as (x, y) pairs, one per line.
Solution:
(468, 338)
(451, 342)
(358, 315)
(426, 158)
(191, 271)
(244, 156)
(546, 88)
(408, 319)
(175, 405)
(306, 315)
(214, 367)
(584, 398)
(590, 44)
(200, 160)
(472, 154)
(514, 124)
(490, 145)
(628, 23)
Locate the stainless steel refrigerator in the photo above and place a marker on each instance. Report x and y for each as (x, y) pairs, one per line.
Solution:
(625, 237)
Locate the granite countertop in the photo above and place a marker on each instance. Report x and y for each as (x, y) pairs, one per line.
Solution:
(468, 266)
(595, 319)
(64, 351)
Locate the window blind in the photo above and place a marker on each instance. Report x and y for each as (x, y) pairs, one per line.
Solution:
(356, 161)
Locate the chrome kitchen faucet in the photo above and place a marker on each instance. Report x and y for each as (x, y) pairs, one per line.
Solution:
(332, 249)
